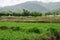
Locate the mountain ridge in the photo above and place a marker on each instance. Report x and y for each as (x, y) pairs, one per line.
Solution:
(33, 6)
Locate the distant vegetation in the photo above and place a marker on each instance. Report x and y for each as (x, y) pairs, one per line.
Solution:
(28, 13)
(24, 13)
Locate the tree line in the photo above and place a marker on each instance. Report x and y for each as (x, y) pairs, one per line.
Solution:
(27, 13)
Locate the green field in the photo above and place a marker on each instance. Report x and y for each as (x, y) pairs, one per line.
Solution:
(25, 31)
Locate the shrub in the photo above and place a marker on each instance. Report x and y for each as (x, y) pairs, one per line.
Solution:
(35, 30)
(15, 28)
(25, 39)
(52, 30)
(4, 27)
(4, 38)
(55, 33)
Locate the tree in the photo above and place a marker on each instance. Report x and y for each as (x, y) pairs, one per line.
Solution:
(36, 14)
(26, 12)
(48, 13)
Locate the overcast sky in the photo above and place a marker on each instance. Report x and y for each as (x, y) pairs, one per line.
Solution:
(13, 2)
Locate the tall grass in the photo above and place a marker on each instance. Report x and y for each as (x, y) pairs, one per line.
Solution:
(29, 31)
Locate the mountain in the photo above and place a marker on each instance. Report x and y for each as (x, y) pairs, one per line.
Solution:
(52, 5)
(33, 6)
(11, 8)
(57, 10)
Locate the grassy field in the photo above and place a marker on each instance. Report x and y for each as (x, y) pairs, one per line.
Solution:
(26, 31)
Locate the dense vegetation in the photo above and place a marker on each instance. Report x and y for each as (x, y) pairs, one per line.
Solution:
(28, 13)
(29, 31)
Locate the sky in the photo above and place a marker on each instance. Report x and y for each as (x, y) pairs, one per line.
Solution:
(14, 2)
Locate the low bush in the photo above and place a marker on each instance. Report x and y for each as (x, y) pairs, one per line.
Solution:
(35, 30)
(10, 28)
(25, 39)
(55, 33)
(4, 27)
(15, 28)
(52, 30)
(4, 38)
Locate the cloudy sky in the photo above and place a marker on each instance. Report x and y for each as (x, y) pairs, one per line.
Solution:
(13, 2)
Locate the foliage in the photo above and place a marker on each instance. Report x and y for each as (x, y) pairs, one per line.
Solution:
(28, 13)
(36, 14)
(37, 31)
